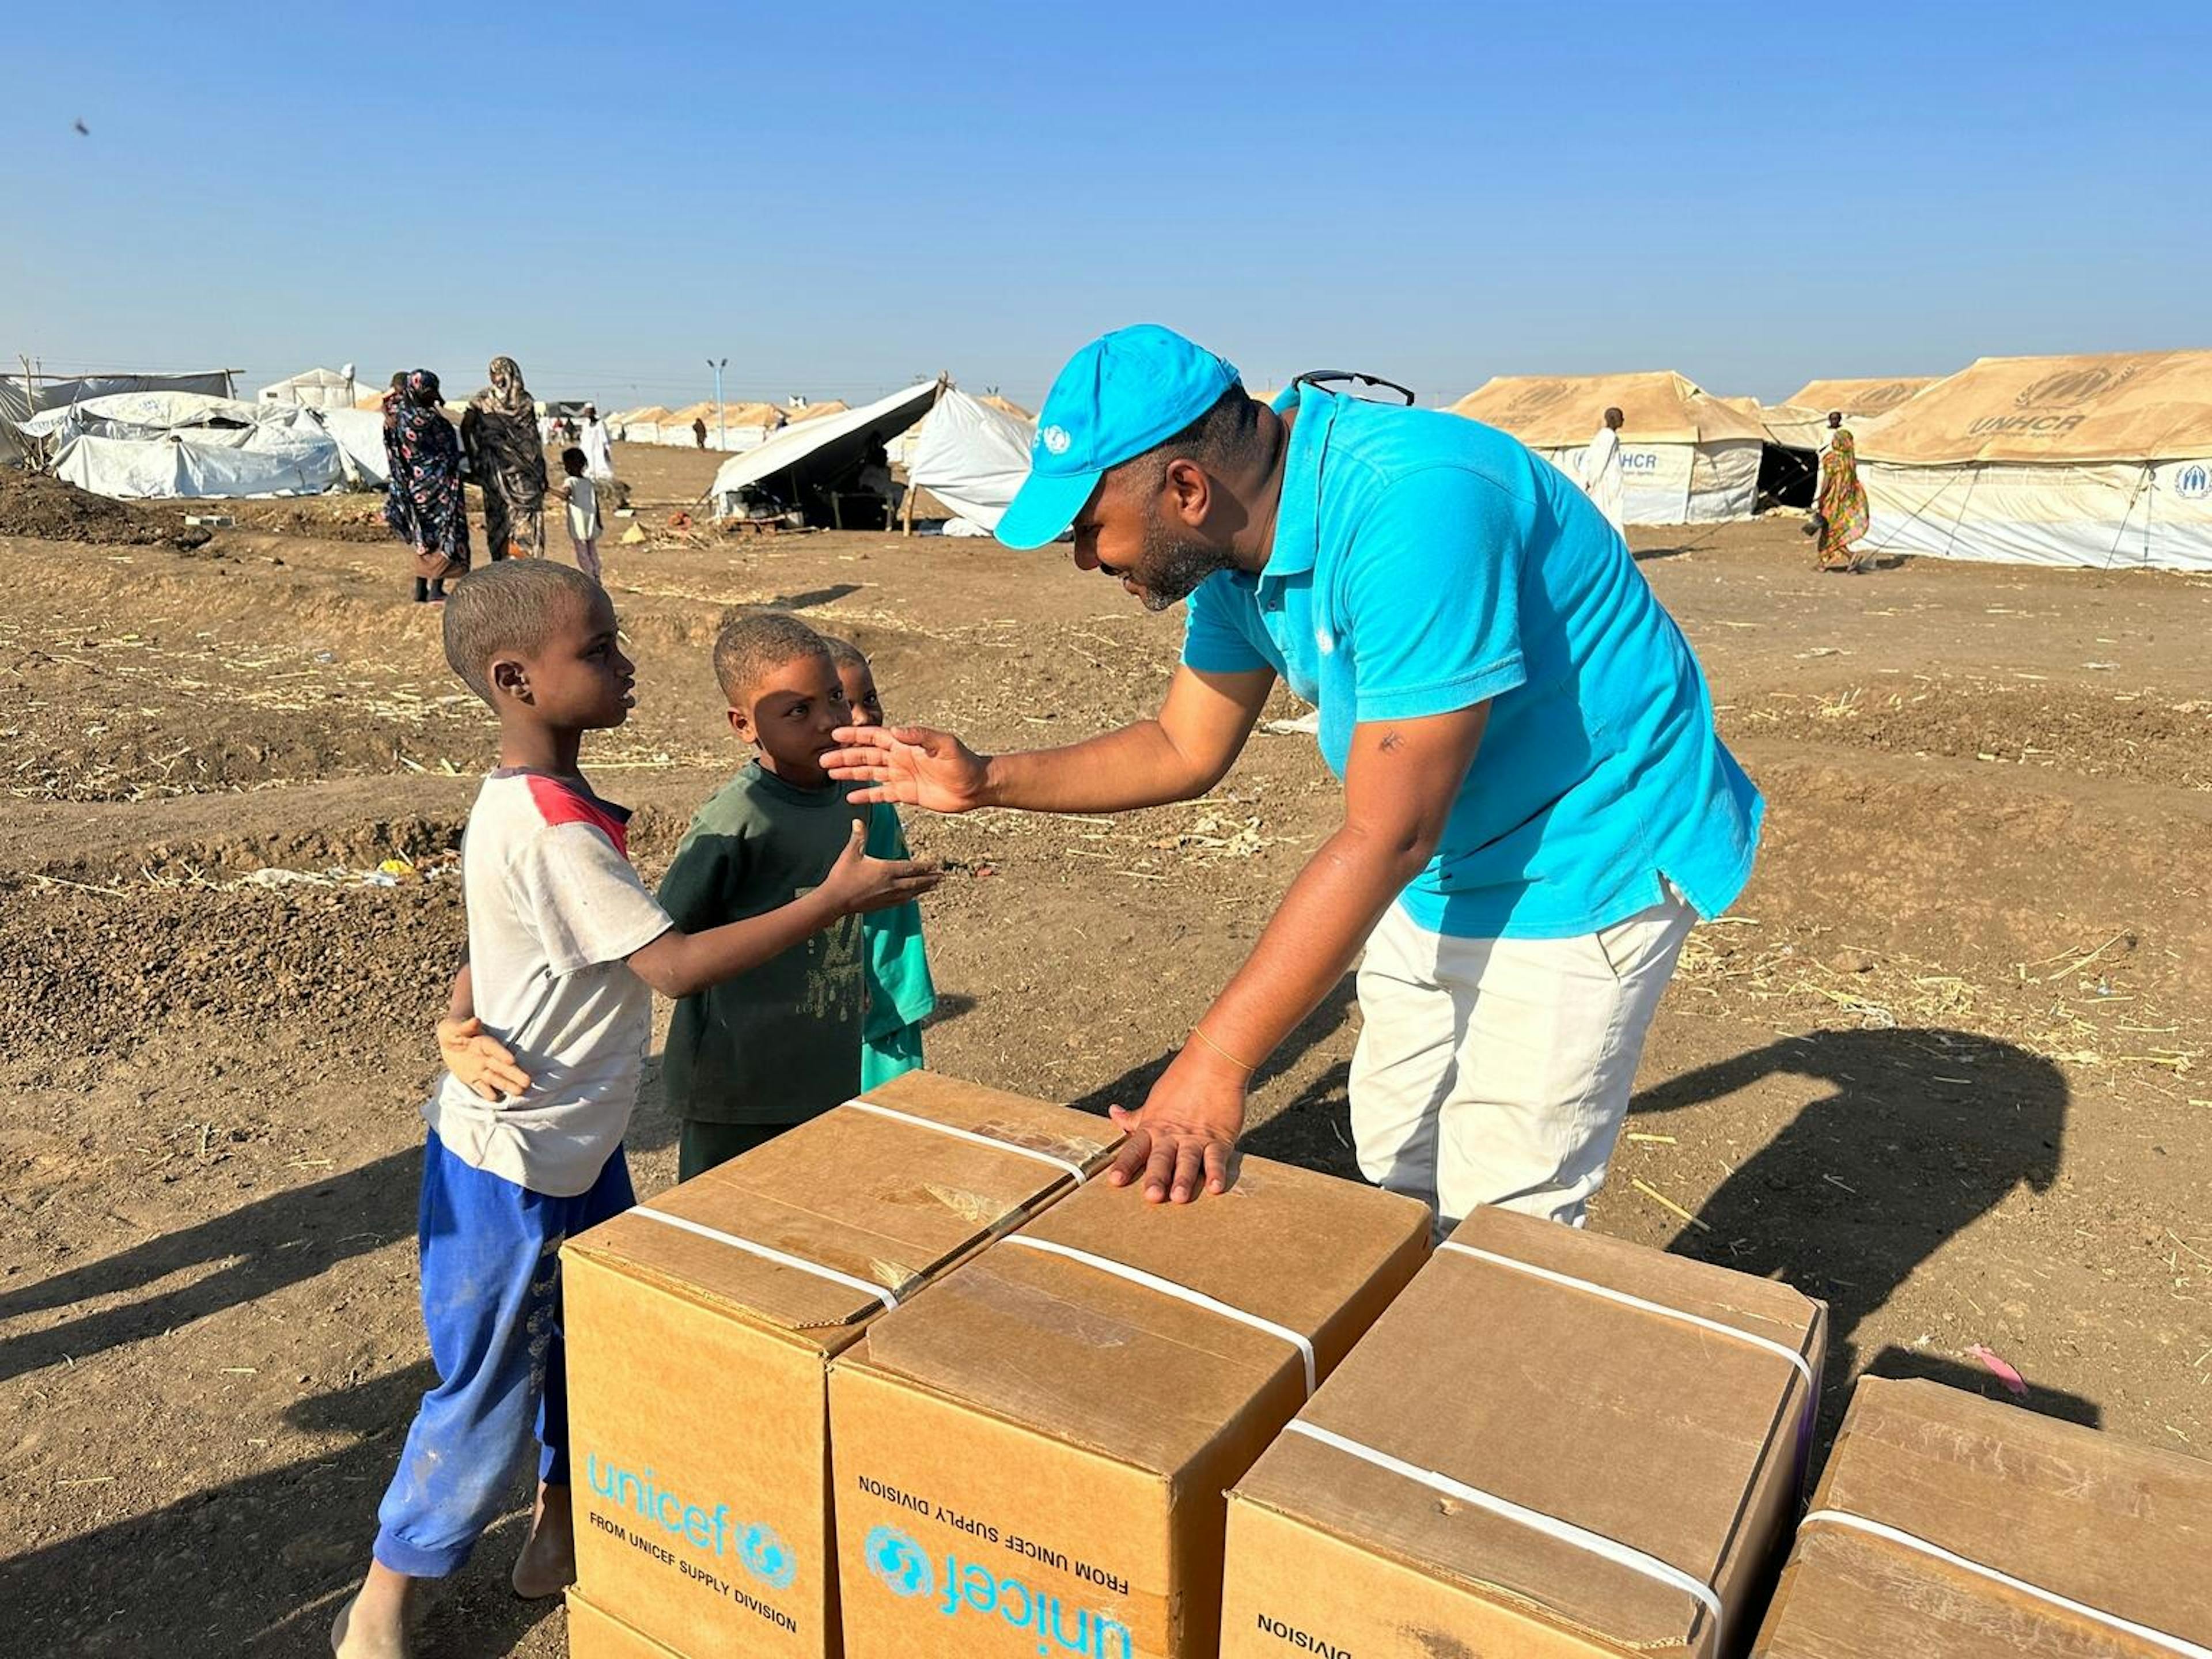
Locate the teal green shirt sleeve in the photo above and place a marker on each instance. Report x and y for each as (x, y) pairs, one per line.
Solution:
(900, 990)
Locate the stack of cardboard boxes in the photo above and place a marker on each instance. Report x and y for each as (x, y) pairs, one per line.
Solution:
(701, 1328)
(900, 1382)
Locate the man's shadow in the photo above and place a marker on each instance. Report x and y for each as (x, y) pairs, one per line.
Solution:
(1905, 1138)
(1919, 1134)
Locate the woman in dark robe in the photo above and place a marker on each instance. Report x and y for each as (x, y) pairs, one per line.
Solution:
(507, 456)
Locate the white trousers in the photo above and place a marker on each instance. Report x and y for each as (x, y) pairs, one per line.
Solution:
(1497, 1070)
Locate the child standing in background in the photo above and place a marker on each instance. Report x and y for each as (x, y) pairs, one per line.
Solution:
(901, 994)
(583, 498)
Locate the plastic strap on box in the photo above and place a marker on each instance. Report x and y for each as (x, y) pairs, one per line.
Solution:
(887, 1297)
(1897, 1535)
(1804, 1366)
(1180, 1292)
(1535, 1520)
(992, 1141)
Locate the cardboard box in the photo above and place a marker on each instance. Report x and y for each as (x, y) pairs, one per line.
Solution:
(2124, 1531)
(1031, 1458)
(1525, 1465)
(596, 1635)
(697, 1366)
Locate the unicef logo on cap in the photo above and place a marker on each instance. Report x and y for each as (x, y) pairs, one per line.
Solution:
(895, 1558)
(2195, 482)
(767, 1557)
(1055, 439)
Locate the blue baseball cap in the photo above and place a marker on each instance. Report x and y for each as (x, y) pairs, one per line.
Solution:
(1118, 396)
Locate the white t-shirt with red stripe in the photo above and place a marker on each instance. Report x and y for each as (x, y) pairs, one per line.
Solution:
(555, 910)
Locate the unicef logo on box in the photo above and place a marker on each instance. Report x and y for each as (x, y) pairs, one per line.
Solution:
(898, 1562)
(2195, 482)
(767, 1557)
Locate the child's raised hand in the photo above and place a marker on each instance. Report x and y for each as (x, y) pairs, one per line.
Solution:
(857, 883)
(480, 1064)
(912, 765)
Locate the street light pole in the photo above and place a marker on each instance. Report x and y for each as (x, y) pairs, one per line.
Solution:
(721, 409)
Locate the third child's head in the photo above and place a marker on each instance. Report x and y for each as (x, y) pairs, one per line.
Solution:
(784, 693)
(858, 680)
(572, 462)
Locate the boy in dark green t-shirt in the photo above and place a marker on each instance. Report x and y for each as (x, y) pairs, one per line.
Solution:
(753, 1056)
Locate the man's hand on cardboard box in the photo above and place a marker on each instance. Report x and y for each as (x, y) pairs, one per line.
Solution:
(1183, 1142)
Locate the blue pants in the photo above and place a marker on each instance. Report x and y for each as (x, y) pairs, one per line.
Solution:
(491, 1302)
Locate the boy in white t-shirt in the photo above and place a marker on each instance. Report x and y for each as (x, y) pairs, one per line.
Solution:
(566, 948)
(583, 496)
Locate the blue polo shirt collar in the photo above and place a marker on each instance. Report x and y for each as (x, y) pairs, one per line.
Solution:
(1297, 514)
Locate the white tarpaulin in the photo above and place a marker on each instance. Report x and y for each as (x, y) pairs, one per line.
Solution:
(185, 443)
(971, 456)
(359, 434)
(315, 388)
(262, 460)
(802, 461)
(1685, 458)
(2098, 460)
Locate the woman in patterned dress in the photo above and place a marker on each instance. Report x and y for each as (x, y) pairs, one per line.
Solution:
(1843, 505)
(424, 505)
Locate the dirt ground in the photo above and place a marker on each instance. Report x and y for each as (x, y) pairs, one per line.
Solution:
(1945, 1068)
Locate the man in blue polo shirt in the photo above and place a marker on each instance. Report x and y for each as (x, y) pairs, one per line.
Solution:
(1537, 806)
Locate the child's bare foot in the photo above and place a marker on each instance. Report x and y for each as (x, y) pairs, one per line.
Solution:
(374, 1624)
(547, 1564)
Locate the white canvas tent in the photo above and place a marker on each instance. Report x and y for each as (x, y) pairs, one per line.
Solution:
(971, 456)
(2078, 460)
(190, 445)
(802, 463)
(1686, 457)
(314, 388)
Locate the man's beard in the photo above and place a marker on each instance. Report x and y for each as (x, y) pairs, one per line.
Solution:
(1173, 566)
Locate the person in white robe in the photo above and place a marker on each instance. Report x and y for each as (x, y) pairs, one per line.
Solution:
(598, 448)
(1600, 469)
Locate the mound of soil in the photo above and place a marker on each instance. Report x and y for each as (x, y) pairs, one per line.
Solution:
(35, 505)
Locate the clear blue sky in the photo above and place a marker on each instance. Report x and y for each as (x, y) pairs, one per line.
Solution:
(841, 199)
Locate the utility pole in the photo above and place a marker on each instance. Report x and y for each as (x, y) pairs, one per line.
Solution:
(721, 408)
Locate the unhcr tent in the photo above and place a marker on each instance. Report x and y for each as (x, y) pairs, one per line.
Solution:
(971, 456)
(1686, 457)
(814, 411)
(315, 388)
(1007, 406)
(1862, 397)
(2086, 460)
(802, 466)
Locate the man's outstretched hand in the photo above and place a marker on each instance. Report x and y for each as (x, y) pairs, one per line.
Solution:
(1183, 1142)
(910, 765)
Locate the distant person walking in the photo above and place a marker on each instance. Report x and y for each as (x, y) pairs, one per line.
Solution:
(500, 431)
(699, 431)
(583, 496)
(1601, 469)
(1840, 516)
(424, 502)
(598, 448)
